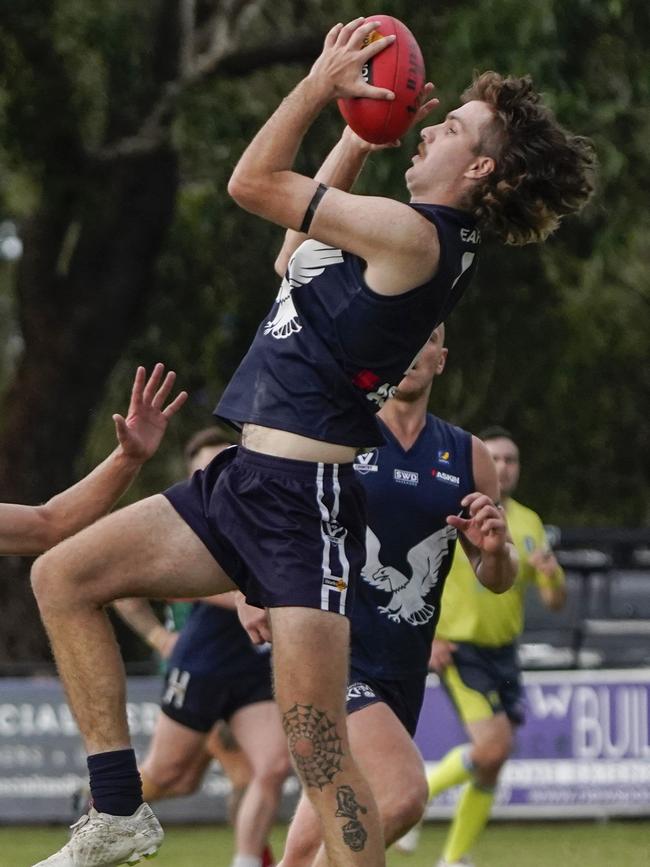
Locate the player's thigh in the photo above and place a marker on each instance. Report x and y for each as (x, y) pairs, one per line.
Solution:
(303, 837)
(258, 730)
(175, 752)
(145, 549)
(310, 659)
(387, 756)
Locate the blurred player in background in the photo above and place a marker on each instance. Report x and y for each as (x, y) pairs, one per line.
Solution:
(428, 472)
(475, 654)
(283, 517)
(217, 702)
(28, 530)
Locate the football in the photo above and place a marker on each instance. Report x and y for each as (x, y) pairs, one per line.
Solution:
(399, 68)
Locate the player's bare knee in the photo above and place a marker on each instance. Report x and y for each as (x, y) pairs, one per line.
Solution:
(174, 779)
(403, 807)
(50, 583)
(185, 785)
(489, 758)
(274, 773)
(317, 744)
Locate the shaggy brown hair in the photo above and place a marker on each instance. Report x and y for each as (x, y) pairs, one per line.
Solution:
(542, 171)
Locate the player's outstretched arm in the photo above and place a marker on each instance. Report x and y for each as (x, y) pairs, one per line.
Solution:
(32, 529)
(138, 614)
(484, 531)
(401, 243)
(549, 577)
(342, 167)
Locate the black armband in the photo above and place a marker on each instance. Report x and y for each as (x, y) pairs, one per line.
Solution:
(321, 189)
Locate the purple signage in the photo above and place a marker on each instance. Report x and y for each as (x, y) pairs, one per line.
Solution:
(583, 751)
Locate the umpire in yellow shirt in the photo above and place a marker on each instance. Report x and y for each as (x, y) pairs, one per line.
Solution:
(474, 653)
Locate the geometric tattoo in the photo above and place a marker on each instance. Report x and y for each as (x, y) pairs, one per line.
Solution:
(354, 834)
(314, 744)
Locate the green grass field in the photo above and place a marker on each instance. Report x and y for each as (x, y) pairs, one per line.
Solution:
(558, 844)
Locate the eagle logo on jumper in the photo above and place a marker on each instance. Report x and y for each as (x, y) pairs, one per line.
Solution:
(309, 261)
(407, 601)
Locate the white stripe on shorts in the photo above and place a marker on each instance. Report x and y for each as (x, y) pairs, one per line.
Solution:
(326, 572)
(345, 564)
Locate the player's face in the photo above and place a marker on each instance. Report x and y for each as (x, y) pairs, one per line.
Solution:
(506, 457)
(429, 363)
(448, 155)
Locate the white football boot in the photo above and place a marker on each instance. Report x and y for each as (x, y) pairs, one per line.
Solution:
(102, 840)
(408, 843)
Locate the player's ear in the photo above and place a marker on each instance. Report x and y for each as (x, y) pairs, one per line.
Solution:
(442, 361)
(480, 168)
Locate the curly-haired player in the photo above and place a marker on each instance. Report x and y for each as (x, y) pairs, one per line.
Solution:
(282, 516)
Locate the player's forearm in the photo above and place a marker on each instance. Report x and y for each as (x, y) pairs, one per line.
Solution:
(93, 496)
(340, 169)
(33, 529)
(553, 596)
(222, 600)
(269, 158)
(141, 618)
(497, 570)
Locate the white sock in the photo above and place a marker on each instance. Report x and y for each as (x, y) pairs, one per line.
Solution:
(246, 861)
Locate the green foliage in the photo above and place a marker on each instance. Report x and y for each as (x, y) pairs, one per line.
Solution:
(550, 341)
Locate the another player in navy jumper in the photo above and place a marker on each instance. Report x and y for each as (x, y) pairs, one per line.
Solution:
(283, 517)
(416, 486)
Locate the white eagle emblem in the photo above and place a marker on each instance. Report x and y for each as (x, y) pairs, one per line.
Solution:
(407, 602)
(309, 261)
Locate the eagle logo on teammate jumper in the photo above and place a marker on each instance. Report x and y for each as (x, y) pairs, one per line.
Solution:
(309, 261)
(408, 593)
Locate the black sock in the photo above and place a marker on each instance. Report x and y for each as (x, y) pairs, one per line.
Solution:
(115, 783)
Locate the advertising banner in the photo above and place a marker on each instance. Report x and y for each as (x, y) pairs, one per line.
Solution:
(42, 762)
(584, 749)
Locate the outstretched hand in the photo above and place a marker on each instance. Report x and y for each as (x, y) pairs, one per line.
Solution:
(345, 52)
(486, 526)
(254, 620)
(140, 433)
(427, 103)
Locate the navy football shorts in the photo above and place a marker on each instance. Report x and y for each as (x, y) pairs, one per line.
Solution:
(404, 697)
(199, 700)
(483, 681)
(288, 533)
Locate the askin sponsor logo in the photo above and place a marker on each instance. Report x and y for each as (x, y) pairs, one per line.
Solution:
(447, 478)
(406, 477)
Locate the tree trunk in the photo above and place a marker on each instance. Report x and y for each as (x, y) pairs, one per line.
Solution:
(77, 318)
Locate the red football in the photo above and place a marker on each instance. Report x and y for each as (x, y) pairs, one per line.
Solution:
(399, 68)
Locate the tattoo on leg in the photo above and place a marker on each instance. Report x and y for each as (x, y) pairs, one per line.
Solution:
(314, 744)
(354, 834)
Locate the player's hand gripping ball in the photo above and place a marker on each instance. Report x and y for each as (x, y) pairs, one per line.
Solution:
(399, 68)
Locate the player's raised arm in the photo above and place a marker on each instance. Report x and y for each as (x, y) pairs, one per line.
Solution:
(483, 532)
(549, 577)
(379, 230)
(32, 529)
(342, 167)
